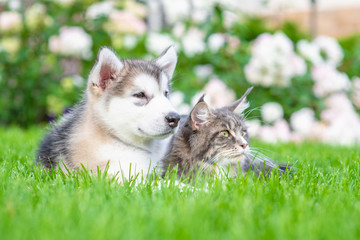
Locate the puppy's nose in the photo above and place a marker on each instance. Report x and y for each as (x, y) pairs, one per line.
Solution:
(173, 119)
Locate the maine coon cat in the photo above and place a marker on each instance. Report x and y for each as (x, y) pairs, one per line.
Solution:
(214, 141)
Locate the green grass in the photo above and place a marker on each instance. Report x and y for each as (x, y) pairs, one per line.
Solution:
(321, 201)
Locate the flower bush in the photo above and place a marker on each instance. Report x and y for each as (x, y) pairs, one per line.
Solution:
(47, 49)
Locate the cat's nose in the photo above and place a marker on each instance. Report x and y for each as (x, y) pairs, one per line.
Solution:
(244, 145)
(172, 119)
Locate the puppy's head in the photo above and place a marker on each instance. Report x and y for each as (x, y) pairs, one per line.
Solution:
(130, 97)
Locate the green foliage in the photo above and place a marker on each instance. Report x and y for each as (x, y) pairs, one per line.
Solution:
(320, 201)
(35, 85)
(351, 46)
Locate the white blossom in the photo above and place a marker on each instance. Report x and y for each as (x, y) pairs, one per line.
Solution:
(343, 123)
(267, 134)
(157, 42)
(72, 41)
(273, 61)
(218, 94)
(253, 126)
(331, 48)
(322, 45)
(309, 51)
(130, 41)
(125, 22)
(99, 9)
(10, 22)
(328, 80)
(204, 71)
(176, 10)
(271, 112)
(178, 29)
(303, 121)
(177, 99)
(193, 42)
(282, 130)
(216, 41)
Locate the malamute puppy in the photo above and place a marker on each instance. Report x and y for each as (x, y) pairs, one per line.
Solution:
(124, 114)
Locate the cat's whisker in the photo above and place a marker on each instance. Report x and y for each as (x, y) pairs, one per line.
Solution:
(253, 117)
(248, 112)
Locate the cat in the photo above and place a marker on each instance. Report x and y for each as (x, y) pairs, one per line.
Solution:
(214, 142)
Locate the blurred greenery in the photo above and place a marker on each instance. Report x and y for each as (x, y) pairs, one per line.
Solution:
(36, 87)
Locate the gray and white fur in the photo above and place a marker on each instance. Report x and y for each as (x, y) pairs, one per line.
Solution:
(121, 121)
(216, 141)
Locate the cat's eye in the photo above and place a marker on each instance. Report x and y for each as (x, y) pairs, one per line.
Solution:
(139, 95)
(225, 133)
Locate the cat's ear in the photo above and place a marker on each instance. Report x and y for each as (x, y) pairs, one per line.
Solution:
(167, 61)
(106, 69)
(240, 105)
(200, 115)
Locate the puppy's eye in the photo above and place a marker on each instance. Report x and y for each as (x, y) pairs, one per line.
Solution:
(166, 93)
(225, 133)
(140, 95)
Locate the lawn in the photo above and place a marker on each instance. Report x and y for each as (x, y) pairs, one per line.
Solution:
(321, 200)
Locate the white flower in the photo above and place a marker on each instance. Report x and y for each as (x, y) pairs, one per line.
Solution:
(125, 22)
(322, 44)
(216, 41)
(176, 10)
(331, 48)
(14, 5)
(309, 51)
(273, 61)
(130, 41)
(267, 134)
(282, 130)
(157, 42)
(298, 65)
(99, 9)
(218, 94)
(177, 99)
(10, 22)
(253, 126)
(193, 42)
(178, 29)
(303, 121)
(271, 112)
(204, 71)
(72, 41)
(328, 80)
(343, 123)
(199, 15)
(230, 18)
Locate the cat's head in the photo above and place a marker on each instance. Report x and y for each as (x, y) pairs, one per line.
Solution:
(219, 136)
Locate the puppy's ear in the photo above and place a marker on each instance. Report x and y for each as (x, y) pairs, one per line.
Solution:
(106, 69)
(200, 115)
(240, 105)
(167, 61)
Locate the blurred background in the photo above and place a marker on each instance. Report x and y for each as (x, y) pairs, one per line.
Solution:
(302, 56)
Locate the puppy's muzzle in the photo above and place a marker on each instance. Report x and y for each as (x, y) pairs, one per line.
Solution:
(173, 119)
